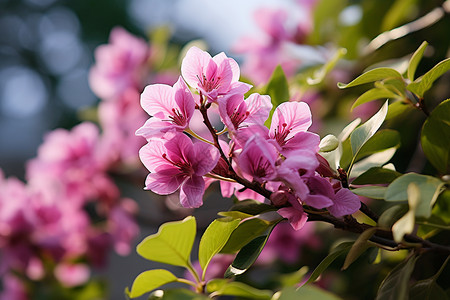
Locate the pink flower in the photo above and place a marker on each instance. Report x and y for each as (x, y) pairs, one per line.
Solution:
(294, 213)
(237, 113)
(171, 107)
(179, 164)
(71, 275)
(119, 64)
(212, 76)
(288, 128)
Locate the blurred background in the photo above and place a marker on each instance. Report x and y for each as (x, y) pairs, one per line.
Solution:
(47, 49)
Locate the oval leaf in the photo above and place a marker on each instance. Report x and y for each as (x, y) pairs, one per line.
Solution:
(277, 89)
(252, 207)
(364, 132)
(374, 192)
(371, 76)
(239, 289)
(214, 238)
(328, 143)
(376, 175)
(425, 82)
(150, 280)
(435, 137)
(172, 244)
(306, 292)
(427, 289)
(415, 60)
(373, 94)
(429, 188)
(359, 247)
(382, 140)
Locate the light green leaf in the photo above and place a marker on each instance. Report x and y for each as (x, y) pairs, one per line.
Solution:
(406, 223)
(214, 238)
(435, 137)
(244, 233)
(328, 143)
(359, 247)
(334, 253)
(425, 82)
(177, 294)
(398, 108)
(376, 175)
(382, 140)
(395, 285)
(150, 280)
(375, 160)
(320, 74)
(306, 292)
(277, 89)
(234, 214)
(429, 188)
(374, 192)
(397, 14)
(221, 287)
(172, 244)
(294, 278)
(374, 94)
(371, 76)
(415, 60)
(364, 132)
(247, 256)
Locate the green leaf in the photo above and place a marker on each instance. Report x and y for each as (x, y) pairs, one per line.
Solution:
(252, 207)
(427, 289)
(320, 74)
(376, 175)
(277, 89)
(398, 108)
(364, 132)
(405, 225)
(374, 192)
(359, 247)
(395, 285)
(371, 76)
(425, 82)
(306, 292)
(150, 280)
(373, 94)
(397, 14)
(334, 253)
(244, 233)
(435, 137)
(222, 287)
(176, 294)
(382, 140)
(247, 256)
(415, 60)
(375, 160)
(234, 214)
(172, 244)
(429, 188)
(391, 215)
(214, 238)
(294, 278)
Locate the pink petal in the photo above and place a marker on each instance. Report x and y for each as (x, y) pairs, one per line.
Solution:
(191, 193)
(71, 275)
(318, 201)
(205, 158)
(165, 181)
(193, 65)
(302, 140)
(296, 216)
(179, 148)
(345, 203)
(296, 115)
(158, 100)
(259, 107)
(151, 155)
(184, 99)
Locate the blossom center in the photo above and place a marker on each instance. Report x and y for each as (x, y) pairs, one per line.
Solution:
(280, 134)
(184, 167)
(209, 84)
(177, 118)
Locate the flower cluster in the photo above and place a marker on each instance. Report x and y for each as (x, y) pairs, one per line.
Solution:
(279, 164)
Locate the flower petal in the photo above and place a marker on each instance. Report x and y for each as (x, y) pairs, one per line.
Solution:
(158, 100)
(191, 193)
(193, 65)
(345, 203)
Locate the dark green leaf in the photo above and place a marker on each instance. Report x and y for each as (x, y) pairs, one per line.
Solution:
(373, 94)
(247, 256)
(214, 238)
(334, 253)
(392, 215)
(306, 292)
(172, 244)
(425, 82)
(150, 280)
(427, 289)
(415, 60)
(244, 233)
(359, 247)
(435, 137)
(252, 207)
(376, 175)
(395, 285)
(371, 76)
(374, 192)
